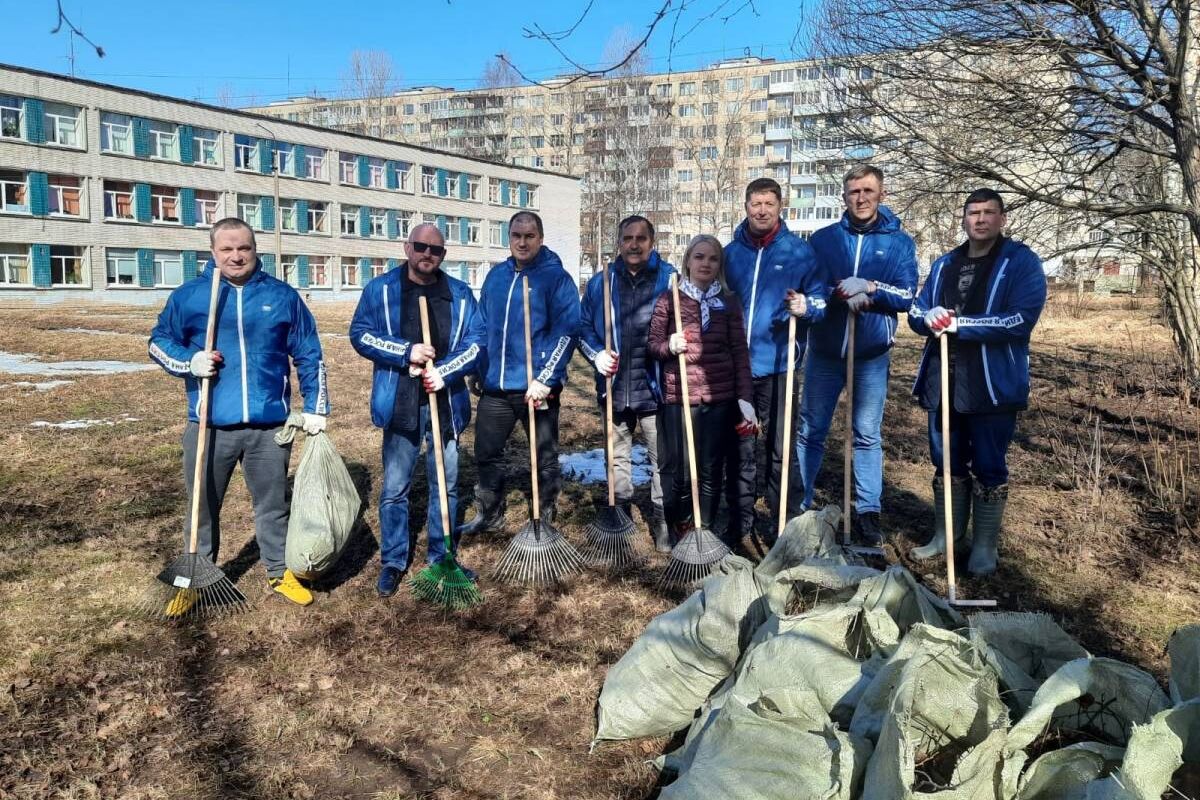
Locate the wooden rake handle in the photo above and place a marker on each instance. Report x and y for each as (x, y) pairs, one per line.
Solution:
(848, 445)
(435, 431)
(608, 385)
(789, 383)
(689, 435)
(533, 460)
(210, 338)
(947, 505)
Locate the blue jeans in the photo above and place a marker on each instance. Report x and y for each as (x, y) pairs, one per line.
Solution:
(400, 451)
(978, 445)
(824, 379)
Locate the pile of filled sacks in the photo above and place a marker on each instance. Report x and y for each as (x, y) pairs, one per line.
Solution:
(812, 676)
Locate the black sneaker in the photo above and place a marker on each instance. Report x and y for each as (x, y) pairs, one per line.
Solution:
(389, 581)
(869, 532)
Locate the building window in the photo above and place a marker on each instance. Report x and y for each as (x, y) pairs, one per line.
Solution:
(13, 193)
(378, 267)
(291, 275)
(733, 84)
(708, 109)
(378, 218)
(349, 220)
(283, 158)
(347, 169)
(404, 177)
(116, 133)
(314, 164)
(453, 231)
(473, 226)
(496, 234)
(452, 185)
(532, 201)
(473, 187)
(349, 271)
(663, 90)
(318, 217)
(287, 216)
(428, 180)
(118, 200)
(66, 266)
(319, 273)
(65, 196)
(62, 125)
(405, 223)
(121, 267)
(245, 153)
(758, 106)
(206, 207)
(687, 111)
(206, 147)
(493, 191)
(377, 173)
(11, 116)
(168, 268)
(164, 204)
(687, 89)
(164, 141)
(248, 211)
(14, 264)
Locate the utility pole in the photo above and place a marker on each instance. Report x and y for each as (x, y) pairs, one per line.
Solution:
(278, 210)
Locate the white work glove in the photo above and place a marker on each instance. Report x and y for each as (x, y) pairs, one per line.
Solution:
(433, 380)
(314, 423)
(940, 320)
(749, 424)
(678, 343)
(797, 304)
(537, 394)
(607, 363)
(858, 303)
(849, 287)
(204, 363)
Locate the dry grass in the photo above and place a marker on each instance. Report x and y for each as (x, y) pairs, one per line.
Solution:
(355, 697)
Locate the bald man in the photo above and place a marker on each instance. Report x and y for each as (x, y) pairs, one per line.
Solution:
(386, 329)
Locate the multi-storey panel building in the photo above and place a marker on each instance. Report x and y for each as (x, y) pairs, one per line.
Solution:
(109, 193)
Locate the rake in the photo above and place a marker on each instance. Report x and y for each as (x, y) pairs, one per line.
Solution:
(192, 586)
(947, 506)
(539, 553)
(848, 448)
(785, 466)
(444, 582)
(610, 540)
(700, 551)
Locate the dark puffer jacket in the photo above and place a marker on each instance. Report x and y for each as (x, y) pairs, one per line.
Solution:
(718, 360)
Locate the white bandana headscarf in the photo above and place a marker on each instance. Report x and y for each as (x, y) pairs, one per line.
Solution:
(708, 300)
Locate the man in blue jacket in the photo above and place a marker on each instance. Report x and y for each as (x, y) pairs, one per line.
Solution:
(773, 272)
(871, 266)
(554, 321)
(386, 329)
(637, 277)
(261, 324)
(988, 294)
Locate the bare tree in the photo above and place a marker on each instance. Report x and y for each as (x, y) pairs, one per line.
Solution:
(370, 80)
(1061, 104)
(499, 73)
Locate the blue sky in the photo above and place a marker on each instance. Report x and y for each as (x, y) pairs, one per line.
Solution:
(253, 52)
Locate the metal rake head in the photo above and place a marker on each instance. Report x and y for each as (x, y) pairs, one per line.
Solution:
(610, 540)
(445, 583)
(694, 558)
(191, 588)
(538, 554)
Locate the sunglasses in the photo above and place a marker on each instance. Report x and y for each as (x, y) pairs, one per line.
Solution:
(434, 249)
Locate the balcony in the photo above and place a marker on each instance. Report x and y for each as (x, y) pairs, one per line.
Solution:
(781, 87)
(778, 135)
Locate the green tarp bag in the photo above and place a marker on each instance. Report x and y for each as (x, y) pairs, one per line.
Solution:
(325, 504)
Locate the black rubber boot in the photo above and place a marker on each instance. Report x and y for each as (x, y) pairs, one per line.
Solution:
(489, 513)
(658, 529)
(869, 532)
(960, 507)
(988, 514)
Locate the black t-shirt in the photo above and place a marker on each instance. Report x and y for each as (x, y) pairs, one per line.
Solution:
(410, 394)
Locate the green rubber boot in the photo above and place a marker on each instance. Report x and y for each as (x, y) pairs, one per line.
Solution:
(960, 507)
(989, 503)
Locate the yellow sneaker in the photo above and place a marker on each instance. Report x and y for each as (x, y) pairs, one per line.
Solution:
(181, 603)
(291, 588)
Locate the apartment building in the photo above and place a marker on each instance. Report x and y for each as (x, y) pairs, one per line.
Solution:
(108, 193)
(678, 147)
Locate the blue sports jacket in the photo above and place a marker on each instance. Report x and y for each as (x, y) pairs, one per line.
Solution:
(626, 385)
(375, 334)
(760, 277)
(994, 344)
(884, 254)
(259, 325)
(554, 311)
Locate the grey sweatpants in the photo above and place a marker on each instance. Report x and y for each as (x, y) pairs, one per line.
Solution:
(624, 424)
(264, 468)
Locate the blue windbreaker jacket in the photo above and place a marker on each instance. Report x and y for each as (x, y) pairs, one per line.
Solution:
(884, 254)
(259, 325)
(1016, 292)
(591, 330)
(374, 337)
(760, 277)
(554, 311)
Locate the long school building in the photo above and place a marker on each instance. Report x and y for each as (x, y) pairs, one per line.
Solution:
(108, 193)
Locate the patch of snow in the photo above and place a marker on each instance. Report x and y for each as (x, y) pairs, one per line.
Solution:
(588, 466)
(44, 386)
(79, 424)
(25, 364)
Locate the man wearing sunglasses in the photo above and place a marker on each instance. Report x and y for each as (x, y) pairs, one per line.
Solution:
(386, 329)
(554, 320)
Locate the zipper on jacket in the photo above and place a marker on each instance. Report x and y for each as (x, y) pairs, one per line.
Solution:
(387, 315)
(242, 347)
(462, 315)
(846, 332)
(753, 295)
(987, 369)
(504, 331)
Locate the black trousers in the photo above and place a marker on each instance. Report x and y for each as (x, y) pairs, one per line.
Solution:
(713, 428)
(495, 418)
(755, 464)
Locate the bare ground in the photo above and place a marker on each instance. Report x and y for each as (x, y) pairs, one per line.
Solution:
(355, 697)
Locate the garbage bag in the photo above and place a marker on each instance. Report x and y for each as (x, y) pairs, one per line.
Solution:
(1024, 649)
(812, 534)
(1162, 759)
(908, 602)
(1067, 773)
(325, 504)
(779, 746)
(660, 682)
(1184, 650)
